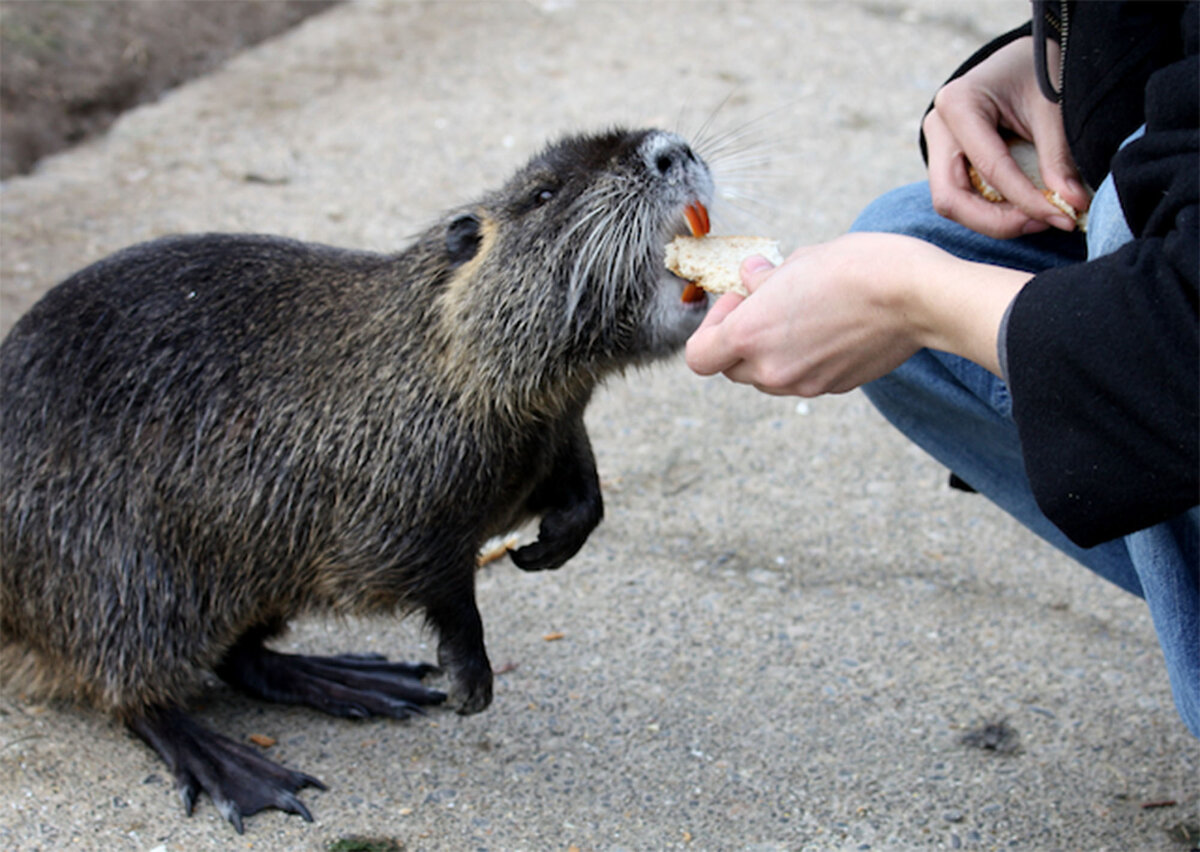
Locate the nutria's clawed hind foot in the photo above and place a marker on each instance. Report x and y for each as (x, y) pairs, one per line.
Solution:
(239, 780)
(352, 686)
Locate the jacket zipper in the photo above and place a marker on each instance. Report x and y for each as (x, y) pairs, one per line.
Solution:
(1064, 16)
(1047, 24)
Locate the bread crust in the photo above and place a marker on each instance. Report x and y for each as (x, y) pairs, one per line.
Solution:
(714, 263)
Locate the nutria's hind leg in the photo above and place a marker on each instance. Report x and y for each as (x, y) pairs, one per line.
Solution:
(351, 686)
(239, 780)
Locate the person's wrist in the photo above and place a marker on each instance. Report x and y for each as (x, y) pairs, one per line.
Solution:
(908, 293)
(959, 306)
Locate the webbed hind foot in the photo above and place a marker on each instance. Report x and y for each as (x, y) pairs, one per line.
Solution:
(350, 685)
(238, 779)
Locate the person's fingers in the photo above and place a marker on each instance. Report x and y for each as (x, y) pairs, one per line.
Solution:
(972, 118)
(709, 349)
(955, 197)
(720, 309)
(1055, 162)
(755, 269)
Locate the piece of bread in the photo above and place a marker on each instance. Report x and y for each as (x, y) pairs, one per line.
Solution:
(1026, 156)
(496, 547)
(714, 263)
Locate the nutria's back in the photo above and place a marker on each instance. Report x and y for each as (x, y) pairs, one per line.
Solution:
(199, 385)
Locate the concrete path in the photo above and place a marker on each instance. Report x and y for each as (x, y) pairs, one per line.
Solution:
(786, 625)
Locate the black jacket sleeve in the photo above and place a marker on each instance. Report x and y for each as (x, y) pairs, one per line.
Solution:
(1104, 356)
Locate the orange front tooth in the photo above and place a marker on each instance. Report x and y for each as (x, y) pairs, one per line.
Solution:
(703, 217)
(695, 220)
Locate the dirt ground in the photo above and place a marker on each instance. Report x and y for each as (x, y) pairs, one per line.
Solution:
(68, 68)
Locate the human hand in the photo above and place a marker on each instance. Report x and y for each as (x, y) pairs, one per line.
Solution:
(837, 315)
(964, 127)
(821, 322)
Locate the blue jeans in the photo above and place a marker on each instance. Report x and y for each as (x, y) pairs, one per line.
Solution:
(961, 414)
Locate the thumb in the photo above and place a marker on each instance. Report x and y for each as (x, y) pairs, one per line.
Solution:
(1059, 174)
(755, 269)
(1055, 161)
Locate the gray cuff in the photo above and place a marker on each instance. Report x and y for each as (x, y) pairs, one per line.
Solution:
(1002, 341)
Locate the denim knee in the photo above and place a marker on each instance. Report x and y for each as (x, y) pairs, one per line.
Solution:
(908, 210)
(898, 212)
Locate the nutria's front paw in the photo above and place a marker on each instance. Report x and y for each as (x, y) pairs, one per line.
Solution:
(461, 653)
(470, 689)
(562, 533)
(570, 503)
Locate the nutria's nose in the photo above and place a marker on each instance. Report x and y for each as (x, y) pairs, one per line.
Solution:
(665, 153)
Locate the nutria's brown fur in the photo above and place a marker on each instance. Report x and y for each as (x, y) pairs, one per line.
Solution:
(204, 437)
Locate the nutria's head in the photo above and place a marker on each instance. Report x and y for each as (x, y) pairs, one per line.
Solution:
(559, 274)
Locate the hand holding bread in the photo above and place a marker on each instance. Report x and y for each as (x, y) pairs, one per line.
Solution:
(1027, 158)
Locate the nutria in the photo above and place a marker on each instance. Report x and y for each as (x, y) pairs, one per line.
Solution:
(204, 437)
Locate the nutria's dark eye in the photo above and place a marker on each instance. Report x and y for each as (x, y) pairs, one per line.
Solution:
(462, 239)
(540, 191)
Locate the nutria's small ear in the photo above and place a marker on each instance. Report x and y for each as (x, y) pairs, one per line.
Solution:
(462, 239)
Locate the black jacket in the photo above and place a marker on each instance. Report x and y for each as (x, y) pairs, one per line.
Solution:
(1103, 357)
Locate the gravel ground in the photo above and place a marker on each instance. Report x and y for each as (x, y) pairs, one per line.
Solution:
(68, 69)
(788, 634)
